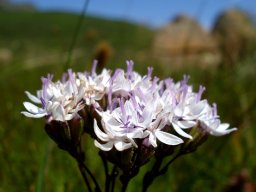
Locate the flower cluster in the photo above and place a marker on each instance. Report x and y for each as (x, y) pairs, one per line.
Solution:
(127, 109)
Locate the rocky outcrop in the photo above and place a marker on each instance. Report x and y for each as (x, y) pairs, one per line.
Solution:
(235, 34)
(184, 41)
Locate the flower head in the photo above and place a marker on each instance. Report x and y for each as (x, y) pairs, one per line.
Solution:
(130, 109)
(59, 100)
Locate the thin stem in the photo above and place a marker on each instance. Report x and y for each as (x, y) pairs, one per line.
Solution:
(157, 171)
(108, 179)
(97, 187)
(75, 35)
(81, 168)
(165, 168)
(125, 179)
(79, 156)
(113, 175)
(151, 175)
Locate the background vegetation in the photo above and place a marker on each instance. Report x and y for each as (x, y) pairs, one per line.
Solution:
(33, 44)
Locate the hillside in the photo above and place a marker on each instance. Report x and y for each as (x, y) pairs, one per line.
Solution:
(56, 29)
(31, 36)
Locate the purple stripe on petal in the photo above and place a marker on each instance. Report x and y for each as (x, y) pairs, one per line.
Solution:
(122, 110)
(43, 103)
(134, 102)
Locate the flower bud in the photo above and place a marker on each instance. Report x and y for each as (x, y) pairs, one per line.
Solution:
(65, 134)
(199, 135)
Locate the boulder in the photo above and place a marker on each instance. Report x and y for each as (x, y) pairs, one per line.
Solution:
(183, 42)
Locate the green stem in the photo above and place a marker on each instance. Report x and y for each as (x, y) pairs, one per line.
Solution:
(156, 171)
(151, 175)
(83, 173)
(108, 179)
(125, 179)
(83, 166)
(113, 176)
(165, 168)
(74, 38)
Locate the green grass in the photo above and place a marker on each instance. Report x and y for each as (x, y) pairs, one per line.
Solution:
(39, 42)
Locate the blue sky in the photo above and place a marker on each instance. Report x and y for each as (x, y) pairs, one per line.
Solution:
(151, 12)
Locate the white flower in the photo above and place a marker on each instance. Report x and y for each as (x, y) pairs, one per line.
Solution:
(123, 83)
(211, 123)
(60, 101)
(122, 125)
(95, 86)
(155, 132)
(185, 106)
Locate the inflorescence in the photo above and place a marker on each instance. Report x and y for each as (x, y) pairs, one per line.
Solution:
(125, 111)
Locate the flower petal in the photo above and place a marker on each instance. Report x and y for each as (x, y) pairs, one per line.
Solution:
(104, 147)
(168, 138)
(33, 98)
(121, 146)
(222, 130)
(180, 131)
(152, 140)
(38, 115)
(197, 108)
(101, 135)
(32, 108)
(186, 124)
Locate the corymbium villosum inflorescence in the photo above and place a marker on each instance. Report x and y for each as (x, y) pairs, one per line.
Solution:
(131, 118)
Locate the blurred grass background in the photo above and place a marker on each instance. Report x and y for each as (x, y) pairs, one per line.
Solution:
(33, 44)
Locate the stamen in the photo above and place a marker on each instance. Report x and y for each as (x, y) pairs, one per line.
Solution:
(200, 92)
(214, 110)
(72, 80)
(154, 84)
(129, 69)
(94, 67)
(150, 70)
